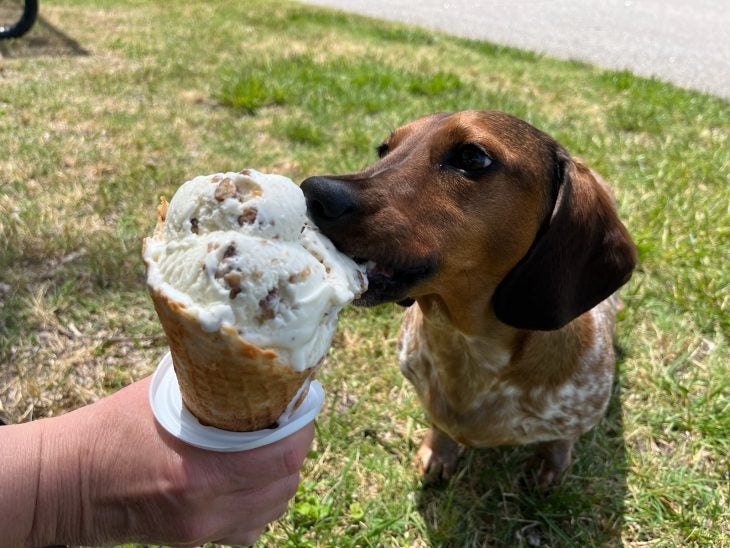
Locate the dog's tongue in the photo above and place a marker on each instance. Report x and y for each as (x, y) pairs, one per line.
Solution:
(374, 268)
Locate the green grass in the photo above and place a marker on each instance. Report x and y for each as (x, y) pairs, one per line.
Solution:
(105, 106)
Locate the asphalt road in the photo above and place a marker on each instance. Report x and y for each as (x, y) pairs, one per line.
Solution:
(679, 41)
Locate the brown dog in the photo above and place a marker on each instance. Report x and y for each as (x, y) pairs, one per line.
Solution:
(512, 250)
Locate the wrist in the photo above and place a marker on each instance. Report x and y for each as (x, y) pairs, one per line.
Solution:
(93, 491)
(20, 448)
(57, 514)
(67, 509)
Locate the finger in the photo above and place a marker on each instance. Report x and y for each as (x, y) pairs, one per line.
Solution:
(265, 505)
(246, 533)
(259, 467)
(257, 509)
(245, 538)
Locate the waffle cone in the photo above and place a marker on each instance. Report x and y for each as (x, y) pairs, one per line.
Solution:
(225, 381)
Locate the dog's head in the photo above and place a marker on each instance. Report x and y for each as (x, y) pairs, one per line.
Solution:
(478, 202)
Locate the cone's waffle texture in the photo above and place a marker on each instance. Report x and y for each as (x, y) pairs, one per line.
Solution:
(225, 381)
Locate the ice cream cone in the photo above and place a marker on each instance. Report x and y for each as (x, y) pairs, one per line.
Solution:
(225, 381)
(248, 295)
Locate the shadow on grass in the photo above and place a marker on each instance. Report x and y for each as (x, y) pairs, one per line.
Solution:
(489, 501)
(43, 40)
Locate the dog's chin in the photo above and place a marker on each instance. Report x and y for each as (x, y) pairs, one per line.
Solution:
(388, 283)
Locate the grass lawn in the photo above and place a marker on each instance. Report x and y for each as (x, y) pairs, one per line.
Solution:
(106, 105)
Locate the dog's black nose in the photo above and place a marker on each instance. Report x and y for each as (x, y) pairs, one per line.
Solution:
(329, 201)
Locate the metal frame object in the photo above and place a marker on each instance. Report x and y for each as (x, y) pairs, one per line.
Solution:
(24, 24)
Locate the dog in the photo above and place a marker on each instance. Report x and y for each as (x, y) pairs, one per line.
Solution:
(508, 252)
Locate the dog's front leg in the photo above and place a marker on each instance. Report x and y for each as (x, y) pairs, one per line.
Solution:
(438, 456)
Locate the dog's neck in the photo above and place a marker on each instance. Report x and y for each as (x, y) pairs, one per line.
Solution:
(471, 315)
(466, 357)
(469, 324)
(469, 335)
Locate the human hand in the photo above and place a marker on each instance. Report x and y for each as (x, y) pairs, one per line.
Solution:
(111, 474)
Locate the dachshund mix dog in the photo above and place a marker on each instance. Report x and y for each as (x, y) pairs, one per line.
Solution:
(512, 251)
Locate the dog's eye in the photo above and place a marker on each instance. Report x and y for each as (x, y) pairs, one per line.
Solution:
(382, 149)
(468, 158)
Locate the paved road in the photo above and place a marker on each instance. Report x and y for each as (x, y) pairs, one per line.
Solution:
(686, 42)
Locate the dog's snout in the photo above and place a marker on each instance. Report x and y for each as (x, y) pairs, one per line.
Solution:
(328, 200)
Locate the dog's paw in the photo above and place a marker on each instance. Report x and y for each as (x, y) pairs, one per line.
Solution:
(548, 475)
(550, 462)
(437, 457)
(432, 467)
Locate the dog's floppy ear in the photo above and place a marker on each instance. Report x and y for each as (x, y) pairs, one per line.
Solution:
(580, 257)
